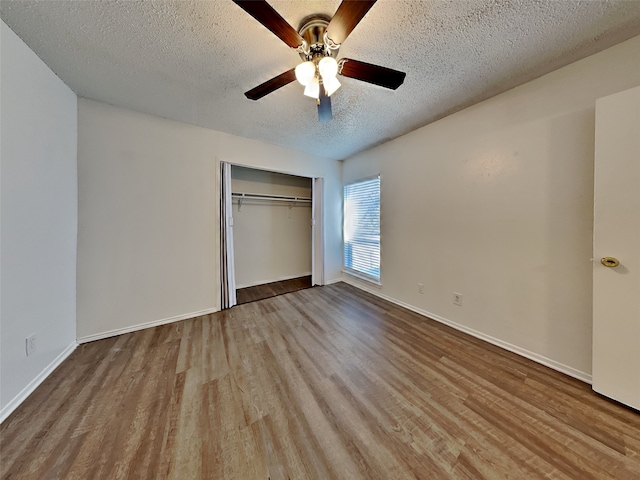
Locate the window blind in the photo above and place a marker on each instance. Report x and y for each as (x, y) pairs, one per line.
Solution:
(362, 227)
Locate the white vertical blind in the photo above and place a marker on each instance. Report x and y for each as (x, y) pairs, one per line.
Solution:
(362, 228)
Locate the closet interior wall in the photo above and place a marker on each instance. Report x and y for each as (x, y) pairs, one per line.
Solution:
(272, 238)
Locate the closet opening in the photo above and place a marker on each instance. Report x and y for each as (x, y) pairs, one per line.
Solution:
(274, 239)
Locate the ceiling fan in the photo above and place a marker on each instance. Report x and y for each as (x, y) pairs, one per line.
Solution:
(317, 41)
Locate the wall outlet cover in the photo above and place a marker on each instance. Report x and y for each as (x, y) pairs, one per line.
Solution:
(30, 345)
(457, 299)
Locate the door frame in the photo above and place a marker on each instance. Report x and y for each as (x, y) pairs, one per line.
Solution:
(317, 231)
(317, 220)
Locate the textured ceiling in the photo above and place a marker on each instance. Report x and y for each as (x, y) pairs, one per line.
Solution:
(192, 61)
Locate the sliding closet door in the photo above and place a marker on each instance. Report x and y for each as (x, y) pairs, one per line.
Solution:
(317, 222)
(227, 271)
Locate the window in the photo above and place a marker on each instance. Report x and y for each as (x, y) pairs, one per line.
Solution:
(362, 229)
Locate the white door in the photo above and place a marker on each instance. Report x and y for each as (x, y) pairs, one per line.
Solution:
(616, 289)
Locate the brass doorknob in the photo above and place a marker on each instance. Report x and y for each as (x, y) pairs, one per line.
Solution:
(610, 262)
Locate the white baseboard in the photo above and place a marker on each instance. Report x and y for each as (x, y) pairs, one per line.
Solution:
(262, 282)
(335, 280)
(567, 370)
(142, 326)
(28, 390)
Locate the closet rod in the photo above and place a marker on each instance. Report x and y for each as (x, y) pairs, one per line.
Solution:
(265, 196)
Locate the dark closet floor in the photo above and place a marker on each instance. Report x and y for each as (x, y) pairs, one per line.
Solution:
(260, 292)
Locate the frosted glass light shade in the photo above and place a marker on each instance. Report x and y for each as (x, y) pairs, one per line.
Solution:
(331, 84)
(305, 73)
(313, 89)
(328, 67)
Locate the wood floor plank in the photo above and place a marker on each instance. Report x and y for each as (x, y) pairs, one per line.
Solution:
(322, 383)
(214, 355)
(272, 289)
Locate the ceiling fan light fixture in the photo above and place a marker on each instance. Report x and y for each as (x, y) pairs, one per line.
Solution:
(331, 84)
(319, 68)
(305, 73)
(313, 88)
(328, 68)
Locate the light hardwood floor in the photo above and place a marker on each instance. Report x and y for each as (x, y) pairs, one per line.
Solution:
(324, 383)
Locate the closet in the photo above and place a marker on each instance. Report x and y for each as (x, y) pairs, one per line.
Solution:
(272, 232)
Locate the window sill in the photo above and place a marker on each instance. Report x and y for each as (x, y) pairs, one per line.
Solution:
(364, 277)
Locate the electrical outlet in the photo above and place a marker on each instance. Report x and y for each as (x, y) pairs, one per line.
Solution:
(420, 288)
(30, 344)
(457, 299)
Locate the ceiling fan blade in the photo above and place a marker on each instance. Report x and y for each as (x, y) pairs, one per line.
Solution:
(324, 106)
(348, 15)
(367, 72)
(271, 85)
(267, 16)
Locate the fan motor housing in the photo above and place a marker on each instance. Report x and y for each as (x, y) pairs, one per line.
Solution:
(312, 29)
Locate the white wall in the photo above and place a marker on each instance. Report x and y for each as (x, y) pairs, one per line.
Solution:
(272, 239)
(148, 215)
(38, 219)
(496, 202)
